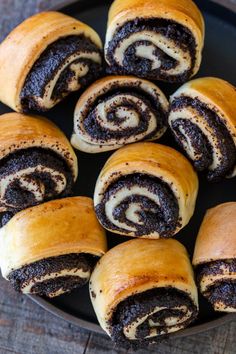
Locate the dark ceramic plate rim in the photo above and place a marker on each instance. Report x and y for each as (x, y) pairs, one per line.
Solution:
(229, 16)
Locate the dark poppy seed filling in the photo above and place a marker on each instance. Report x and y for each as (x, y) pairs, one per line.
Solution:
(223, 290)
(50, 64)
(119, 110)
(185, 130)
(30, 176)
(143, 66)
(5, 217)
(215, 267)
(32, 275)
(149, 216)
(169, 303)
(95, 130)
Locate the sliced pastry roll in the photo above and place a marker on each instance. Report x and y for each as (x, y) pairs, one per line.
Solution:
(37, 162)
(51, 249)
(203, 121)
(155, 39)
(215, 257)
(146, 190)
(117, 110)
(45, 58)
(142, 290)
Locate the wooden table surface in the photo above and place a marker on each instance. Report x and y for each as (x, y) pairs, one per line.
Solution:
(26, 328)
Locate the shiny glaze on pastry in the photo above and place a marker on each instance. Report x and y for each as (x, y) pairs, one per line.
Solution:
(51, 248)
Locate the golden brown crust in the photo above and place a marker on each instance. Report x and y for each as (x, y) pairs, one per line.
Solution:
(21, 131)
(24, 45)
(217, 93)
(184, 12)
(155, 160)
(208, 105)
(182, 9)
(216, 239)
(136, 266)
(54, 228)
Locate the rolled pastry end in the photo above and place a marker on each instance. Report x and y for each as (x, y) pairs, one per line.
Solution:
(202, 119)
(37, 162)
(142, 290)
(52, 248)
(146, 190)
(215, 257)
(45, 58)
(156, 40)
(118, 110)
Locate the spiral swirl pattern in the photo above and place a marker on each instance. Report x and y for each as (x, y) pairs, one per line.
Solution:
(142, 290)
(140, 193)
(217, 281)
(152, 48)
(139, 205)
(31, 176)
(157, 312)
(51, 248)
(65, 66)
(115, 111)
(204, 133)
(53, 276)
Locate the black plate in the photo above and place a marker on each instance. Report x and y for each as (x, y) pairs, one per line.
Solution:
(219, 59)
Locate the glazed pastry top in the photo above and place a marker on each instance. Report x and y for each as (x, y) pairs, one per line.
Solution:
(216, 92)
(216, 239)
(182, 9)
(20, 131)
(54, 228)
(136, 266)
(184, 12)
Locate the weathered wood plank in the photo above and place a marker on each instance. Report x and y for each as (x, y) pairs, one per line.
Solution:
(231, 4)
(12, 12)
(230, 343)
(215, 341)
(26, 328)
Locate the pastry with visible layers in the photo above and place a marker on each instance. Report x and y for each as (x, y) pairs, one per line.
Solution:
(51, 249)
(37, 162)
(203, 120)
(45, 58)
(155, 39)
(118, 110)
(146, 190)
(142, 290)
(215, 257)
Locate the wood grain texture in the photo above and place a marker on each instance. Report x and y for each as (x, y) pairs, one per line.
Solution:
(25, 328)
(231, 4)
